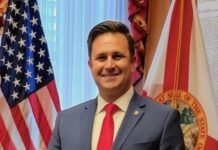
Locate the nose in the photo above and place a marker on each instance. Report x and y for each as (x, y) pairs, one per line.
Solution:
(109, 64)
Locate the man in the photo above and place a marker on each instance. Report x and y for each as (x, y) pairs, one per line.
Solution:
(136, 123)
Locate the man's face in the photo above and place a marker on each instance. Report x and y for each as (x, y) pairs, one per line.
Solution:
(110, 64)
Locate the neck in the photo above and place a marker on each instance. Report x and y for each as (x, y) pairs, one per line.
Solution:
(110, 96)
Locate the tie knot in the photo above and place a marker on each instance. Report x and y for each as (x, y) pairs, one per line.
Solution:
(110, 109)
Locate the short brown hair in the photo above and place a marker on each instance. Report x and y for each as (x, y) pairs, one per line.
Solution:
(110, 27)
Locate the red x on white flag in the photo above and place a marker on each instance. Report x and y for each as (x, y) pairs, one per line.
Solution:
(179, 76)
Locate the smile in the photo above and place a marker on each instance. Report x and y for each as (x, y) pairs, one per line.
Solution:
(110, 75)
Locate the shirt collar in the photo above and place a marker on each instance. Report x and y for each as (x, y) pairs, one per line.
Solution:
(122, 102)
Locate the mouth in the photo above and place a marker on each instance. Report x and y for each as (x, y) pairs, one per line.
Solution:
(110, 75)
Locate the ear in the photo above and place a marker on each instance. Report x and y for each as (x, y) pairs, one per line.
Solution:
(90, 63)
(133, 63)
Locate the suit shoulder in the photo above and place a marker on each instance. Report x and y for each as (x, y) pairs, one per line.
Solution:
(152, 104)
(156, 109)
(78, 108)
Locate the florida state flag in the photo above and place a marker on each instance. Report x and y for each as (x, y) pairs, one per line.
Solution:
(179, 76)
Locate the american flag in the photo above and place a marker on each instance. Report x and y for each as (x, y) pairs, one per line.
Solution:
(28, 96)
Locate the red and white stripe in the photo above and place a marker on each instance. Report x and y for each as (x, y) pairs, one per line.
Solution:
(193, 66)
(29, 124)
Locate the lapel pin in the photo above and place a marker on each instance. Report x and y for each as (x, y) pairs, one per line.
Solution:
(136, 112)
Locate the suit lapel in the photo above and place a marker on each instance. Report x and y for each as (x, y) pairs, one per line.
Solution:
(87, 117)
(132, 117)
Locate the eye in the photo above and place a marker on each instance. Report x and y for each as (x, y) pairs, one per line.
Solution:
(101, 58)
(118, 56)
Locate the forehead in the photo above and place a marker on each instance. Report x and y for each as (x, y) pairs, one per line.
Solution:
(109, 42)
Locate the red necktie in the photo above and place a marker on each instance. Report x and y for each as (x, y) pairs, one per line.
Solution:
(107, 129)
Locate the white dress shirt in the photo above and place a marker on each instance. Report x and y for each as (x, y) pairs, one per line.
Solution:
(122, 102)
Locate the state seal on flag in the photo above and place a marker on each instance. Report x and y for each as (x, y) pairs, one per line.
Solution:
(193, 119)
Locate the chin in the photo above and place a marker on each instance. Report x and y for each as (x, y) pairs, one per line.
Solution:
(108, 87)
(113, 88)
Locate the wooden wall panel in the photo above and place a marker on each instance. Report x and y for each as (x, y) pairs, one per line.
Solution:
(157, 14)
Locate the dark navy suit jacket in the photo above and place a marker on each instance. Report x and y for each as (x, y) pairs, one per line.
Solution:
(154, 127)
